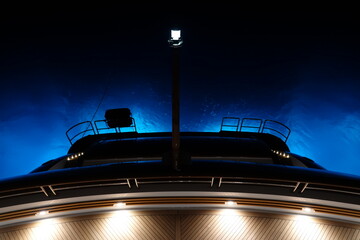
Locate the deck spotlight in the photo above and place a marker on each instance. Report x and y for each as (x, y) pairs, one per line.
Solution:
(42, 213)
(230, 203)
(175, 34)
(119, 205)
(175, 39)
(307, 210)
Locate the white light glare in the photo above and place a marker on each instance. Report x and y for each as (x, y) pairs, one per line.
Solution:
(308, 210)
(45, 229)
(119, 204)
(42, 213)
(175, 35)
(230, 203)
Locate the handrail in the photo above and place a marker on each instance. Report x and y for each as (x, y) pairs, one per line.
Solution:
(237, 125)
(284, 135)
(292, 184)
(117, 129)
(261, 126)
(244, 120)
(97, 129)
(81, 132)
(229, 125)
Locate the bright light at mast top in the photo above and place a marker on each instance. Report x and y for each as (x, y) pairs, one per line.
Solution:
(175, 39)
(175, 34)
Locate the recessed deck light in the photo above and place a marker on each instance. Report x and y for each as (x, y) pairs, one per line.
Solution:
(230, 203)
(42, 213)
(281, 154)
(75, 156)
(119, 205)
(308, 210)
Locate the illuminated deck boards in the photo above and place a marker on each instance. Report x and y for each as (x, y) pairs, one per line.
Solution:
(183, 224)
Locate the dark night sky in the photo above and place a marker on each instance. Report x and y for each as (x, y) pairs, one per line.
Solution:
(300, 68)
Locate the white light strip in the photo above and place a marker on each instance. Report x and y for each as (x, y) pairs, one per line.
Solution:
(74, 156)
(281, 154)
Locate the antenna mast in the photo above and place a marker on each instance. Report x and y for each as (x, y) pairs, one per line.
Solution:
(175, 43)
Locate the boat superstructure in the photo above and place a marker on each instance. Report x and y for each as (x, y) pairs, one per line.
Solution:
(240, 181)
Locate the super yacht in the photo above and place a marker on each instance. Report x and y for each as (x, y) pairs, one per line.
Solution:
(241, 182)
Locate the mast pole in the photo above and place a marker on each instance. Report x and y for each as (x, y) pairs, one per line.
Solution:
(175, 43)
